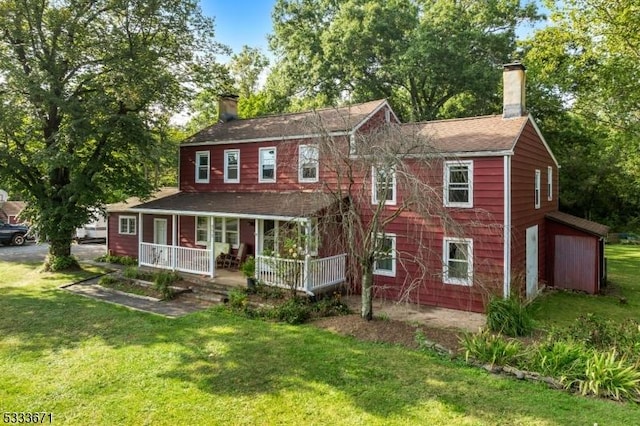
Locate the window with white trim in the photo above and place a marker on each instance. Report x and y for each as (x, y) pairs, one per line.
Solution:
(202, 230)
(458, 183)
(536, 190)
(231, 165)
(127, 225)
(385, 255)
(202, 167)
(383, 185)
(308, 164)
(458, 261)
(267, 172)
(549, 183)
(226, 230)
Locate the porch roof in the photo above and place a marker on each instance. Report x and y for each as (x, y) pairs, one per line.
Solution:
(277, 205)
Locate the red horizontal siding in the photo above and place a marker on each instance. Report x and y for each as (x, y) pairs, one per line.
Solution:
(530, 155)
(119, 244)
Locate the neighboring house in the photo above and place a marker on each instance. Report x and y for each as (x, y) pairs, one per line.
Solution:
(249, 183)
(10, 211)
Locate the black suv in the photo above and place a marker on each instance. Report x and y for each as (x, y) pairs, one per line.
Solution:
(13, 234)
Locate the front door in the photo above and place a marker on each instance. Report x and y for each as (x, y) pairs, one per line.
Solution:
(532, 261)
(160, 254)
(160, 231)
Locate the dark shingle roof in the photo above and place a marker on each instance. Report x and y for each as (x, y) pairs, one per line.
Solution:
(579, 223)
(475, 134)
(283, 204)
(134, 201)
(288, 125)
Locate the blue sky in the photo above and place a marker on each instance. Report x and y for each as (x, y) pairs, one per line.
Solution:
(240, 22)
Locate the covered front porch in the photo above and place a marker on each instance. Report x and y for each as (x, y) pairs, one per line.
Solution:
(286, 248)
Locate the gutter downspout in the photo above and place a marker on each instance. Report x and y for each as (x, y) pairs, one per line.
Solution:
(506, 290)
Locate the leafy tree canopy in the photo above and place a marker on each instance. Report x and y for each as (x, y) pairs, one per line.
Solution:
(83, 86)
(431, 59)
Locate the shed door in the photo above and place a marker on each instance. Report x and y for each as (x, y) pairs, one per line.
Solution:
(575, 263)
(532, 261)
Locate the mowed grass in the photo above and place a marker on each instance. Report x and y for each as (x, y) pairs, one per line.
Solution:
(563, 308)
(89, 362)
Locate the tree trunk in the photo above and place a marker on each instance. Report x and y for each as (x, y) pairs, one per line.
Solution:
(367, 292)
(60, 246)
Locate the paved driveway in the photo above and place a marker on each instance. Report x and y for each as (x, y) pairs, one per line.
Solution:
(31, 252)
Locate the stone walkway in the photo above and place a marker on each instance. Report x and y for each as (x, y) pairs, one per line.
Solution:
(171, 309)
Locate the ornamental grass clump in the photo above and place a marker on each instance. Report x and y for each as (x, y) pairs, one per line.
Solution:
(608, 376)
(488, 348)
(510, 316)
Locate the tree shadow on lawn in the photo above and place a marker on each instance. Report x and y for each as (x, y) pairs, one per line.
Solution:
(226, 354)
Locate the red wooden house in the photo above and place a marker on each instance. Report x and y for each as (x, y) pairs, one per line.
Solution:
(247, 185)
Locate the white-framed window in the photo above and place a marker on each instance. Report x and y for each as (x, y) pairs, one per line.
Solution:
(385, 263)
(458, 183)
(536, 190)
(352, 144)
(383, 185)
(202, 167)
(549, 183)
(458, 261)
(127, 225)
(226, 230)
(231, 165)
(202, 230)
(267, 172)
(308, 163)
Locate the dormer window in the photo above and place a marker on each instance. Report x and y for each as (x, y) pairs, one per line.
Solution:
(267, 166)
(202, 167)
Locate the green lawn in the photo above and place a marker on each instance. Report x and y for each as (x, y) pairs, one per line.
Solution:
(89, 362)
(562, 308)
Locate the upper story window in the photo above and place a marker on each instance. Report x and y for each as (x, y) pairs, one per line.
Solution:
(385, 263)
(202, 167)
(127, 225)
(308, 163)
(383, 185)
(549, 183)
(232, 166)
(458, 261)
(267, 172)
(458, 183)
(537, 190)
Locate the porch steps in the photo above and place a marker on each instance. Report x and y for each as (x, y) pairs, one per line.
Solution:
(209, 292)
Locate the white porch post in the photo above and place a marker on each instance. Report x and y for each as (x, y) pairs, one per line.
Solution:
(174, 239)
(256, 234)
(140, 240)
(212, 260)
(307, 271)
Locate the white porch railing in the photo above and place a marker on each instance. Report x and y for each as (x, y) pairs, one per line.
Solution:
(185, 259)
(308, 275)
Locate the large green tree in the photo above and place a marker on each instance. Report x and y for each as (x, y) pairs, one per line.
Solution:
(585, 68)
(431, 59)
(83, 84)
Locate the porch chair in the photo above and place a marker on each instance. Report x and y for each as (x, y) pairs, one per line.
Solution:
(234, 261)
(221, 251)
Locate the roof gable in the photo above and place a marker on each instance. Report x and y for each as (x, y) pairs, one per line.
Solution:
(288, 126)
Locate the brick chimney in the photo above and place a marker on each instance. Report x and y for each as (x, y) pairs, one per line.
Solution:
(514, 79)
(227, 108)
